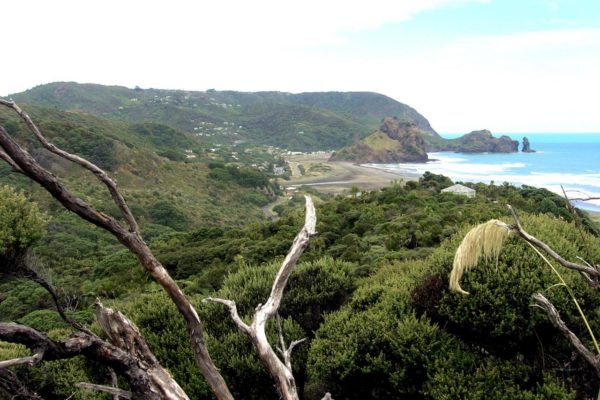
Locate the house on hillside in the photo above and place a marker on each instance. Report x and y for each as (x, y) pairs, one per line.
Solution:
(460, 189)
(278, 170)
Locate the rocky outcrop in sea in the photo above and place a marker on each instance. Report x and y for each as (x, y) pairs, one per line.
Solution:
(526, 146)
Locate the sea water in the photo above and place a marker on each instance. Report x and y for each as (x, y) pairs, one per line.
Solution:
(568, 160)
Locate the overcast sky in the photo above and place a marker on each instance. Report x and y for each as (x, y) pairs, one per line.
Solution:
(504, 65)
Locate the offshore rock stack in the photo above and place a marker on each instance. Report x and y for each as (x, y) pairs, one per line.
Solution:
(526, 147)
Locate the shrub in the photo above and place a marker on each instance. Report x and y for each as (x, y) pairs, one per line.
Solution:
(21, 223)
(167, 214)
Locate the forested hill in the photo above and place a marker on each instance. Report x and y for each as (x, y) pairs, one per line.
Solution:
(162, 171)
(305, 121)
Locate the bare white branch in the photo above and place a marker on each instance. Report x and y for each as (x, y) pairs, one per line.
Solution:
(106, 389)
(287, 354)
(583, 195)
(518, 229)
(30, 361)
(232, 311)
(280, 370)
(557, 321)
(285, 351)
(298, 246)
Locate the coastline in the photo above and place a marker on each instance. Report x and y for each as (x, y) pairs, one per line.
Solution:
(337, 176)
(334, 177)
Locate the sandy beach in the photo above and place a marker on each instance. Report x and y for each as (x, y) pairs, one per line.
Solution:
(338, 176)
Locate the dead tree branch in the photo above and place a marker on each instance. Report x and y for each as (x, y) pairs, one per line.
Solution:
(475, 238)
(281, 371)
(286, 353)
(556, 320)
(10, 162)
(119, 393)
(518, 229)
(31, 360)
(11, 384)
(584, 196)
(114, 382)
(23, 266)
(589, 272)
(129, 236)
(100, 174)
(233, 312)
(125, 335)
(284, 350)
(127, 354)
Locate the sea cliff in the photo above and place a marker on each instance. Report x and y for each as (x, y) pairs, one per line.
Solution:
(399, 141)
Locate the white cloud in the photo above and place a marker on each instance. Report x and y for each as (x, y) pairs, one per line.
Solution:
(306, 22)
(537, 40)
(524, 81)
(533, 81)
(114, 41)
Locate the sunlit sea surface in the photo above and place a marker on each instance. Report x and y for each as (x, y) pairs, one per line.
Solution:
(570, 160)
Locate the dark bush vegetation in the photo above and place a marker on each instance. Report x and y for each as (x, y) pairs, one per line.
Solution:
(370, 295)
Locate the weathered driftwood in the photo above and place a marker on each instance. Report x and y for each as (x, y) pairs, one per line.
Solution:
(281, 371)
(19, 159)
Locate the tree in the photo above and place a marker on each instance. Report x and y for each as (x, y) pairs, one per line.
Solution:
(125, 350)
(21, 223)
(280, 370)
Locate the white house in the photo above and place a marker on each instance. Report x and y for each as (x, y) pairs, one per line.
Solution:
(460, 189)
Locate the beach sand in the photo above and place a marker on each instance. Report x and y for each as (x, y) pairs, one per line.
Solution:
(337, 176)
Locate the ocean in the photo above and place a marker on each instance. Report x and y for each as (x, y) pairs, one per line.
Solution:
(570, 160)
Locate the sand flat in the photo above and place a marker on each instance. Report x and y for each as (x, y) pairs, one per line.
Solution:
(337, 176)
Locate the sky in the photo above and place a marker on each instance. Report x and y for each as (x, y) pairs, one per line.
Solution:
(503, 65)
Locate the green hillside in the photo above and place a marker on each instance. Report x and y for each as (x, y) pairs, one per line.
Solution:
(152, 165)
(366, 105)
(305, 121)
(394, 141)
(370, 295)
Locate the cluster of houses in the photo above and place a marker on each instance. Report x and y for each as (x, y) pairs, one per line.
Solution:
(210, 129)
